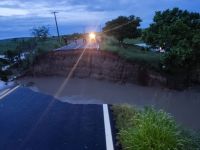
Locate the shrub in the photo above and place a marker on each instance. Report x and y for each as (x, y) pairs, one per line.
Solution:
(148, 130)
(179, 60)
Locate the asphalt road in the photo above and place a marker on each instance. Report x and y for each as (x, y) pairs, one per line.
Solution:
(79, 44)
(34, 121)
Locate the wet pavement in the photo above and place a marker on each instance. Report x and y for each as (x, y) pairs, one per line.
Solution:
(35, 121)
(79, 44)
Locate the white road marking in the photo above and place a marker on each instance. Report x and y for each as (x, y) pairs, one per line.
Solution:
(108, 132)
(3, 92)
(4, 95)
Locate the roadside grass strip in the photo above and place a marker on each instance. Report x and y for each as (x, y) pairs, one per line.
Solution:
(108, 132)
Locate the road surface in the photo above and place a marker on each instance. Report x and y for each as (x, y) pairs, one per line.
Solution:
(79, 44)
(35, 121)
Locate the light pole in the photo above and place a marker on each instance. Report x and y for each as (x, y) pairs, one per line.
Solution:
(56, 24)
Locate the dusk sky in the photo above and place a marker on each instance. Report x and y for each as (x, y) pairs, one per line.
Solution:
(18, 17)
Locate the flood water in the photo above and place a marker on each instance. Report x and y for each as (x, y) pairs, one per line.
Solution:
(183, 105)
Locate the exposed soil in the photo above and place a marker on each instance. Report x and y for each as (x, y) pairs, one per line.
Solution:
(98, 65)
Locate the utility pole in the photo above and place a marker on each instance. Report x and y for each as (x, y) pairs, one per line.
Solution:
(56, 24)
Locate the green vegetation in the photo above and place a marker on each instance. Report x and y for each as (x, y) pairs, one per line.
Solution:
(178, 32)
(133, 41)
(132, 53)
(124, 116)
(123, 27)
(49, 44)
(171, 27)
(31, 48)
(11, 44)
(151, 129)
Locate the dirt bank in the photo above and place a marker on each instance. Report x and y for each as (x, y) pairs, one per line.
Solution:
(98, 65)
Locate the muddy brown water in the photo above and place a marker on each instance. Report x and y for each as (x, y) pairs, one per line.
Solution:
(183, 105)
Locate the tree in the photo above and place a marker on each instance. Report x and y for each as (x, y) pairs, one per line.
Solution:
(179, 57)
(172, 26)
(179, 32)
(123, 27)
(41, 32)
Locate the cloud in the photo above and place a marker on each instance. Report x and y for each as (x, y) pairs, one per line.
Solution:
(19, 16)
(5, 12)
(8, 3)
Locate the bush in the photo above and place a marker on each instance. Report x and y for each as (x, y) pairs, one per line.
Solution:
(179, 60)
(147, 130)
(154, 130)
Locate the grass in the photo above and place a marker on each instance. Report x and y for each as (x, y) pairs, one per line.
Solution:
(124, 116)
(26, 44)
(50, 44)
(150, 129)
(133, 41)
(7, 45)
(133, 53)
(11, 44)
